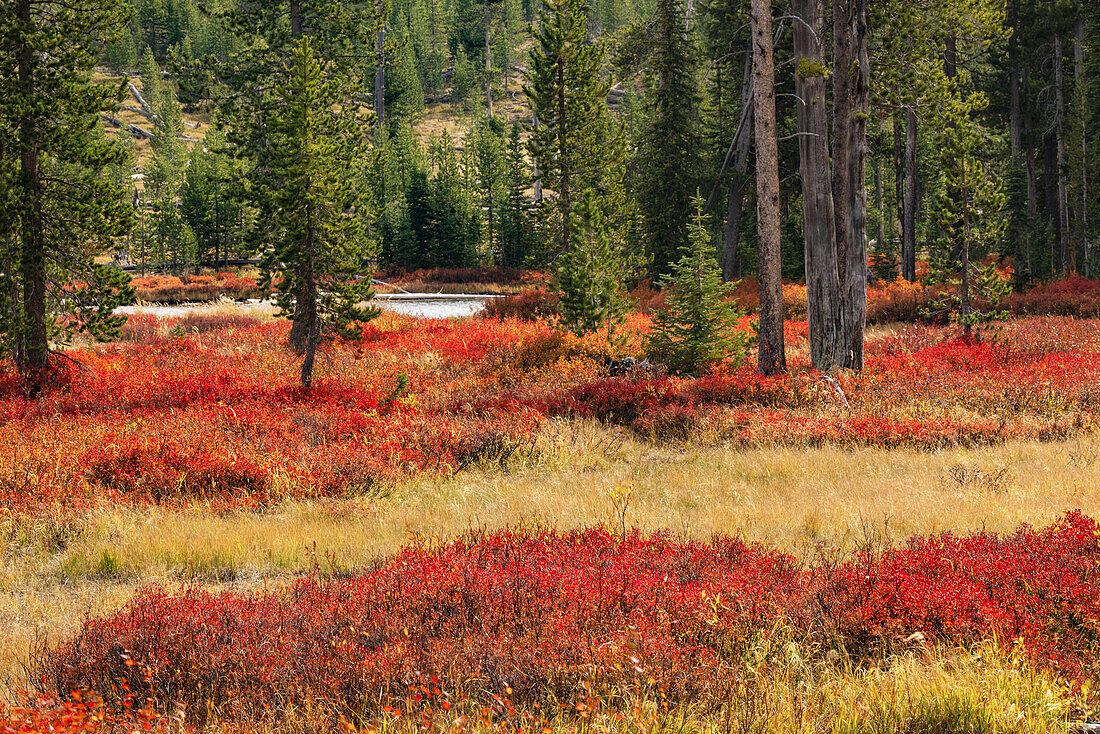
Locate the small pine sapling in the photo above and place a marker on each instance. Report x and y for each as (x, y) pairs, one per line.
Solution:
(698, 328)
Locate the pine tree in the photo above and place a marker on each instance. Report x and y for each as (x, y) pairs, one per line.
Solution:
(590, 277)
(151, 84)
(404, 93)
(487, 146)
(66, 207)
(122, 54)
(310, 200)
(515, 229)
(669, 156)
(698, 328)
(969, 208)
(574, 145)
(462, 78)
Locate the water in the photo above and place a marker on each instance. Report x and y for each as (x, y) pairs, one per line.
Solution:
(428, 307)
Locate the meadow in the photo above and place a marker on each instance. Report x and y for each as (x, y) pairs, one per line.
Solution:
(470, 524)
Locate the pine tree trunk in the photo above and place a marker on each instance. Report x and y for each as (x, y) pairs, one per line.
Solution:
(1080, 83)
(299, 324)
(1060, 142)
(819, 231)
(772, 357)
(731, 241)
(33, 352)
(380, 78)
(295, 18)
(565, 202)
(488, 68)
(909, 202)
(306, 304)
(899, 183)
(536, 186)
(1028, 143)
(964, 308)
(851, 98)
(1015, 121)
(309, 311)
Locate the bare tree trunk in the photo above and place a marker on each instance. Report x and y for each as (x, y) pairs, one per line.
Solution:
(731, 242)
(964, 306)
(851, 99)
(488, 67)
(1029, 148)
(537, 185)
(1079, 83)
(772, 357)
(880, 206)
(909, 204)
(1015, 123)
(565, 201)
(295, 18)
(899, 183)
(380, 78)
(824, 310)
(1060, 142)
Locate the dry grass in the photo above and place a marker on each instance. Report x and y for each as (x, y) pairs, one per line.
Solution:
(583, 473)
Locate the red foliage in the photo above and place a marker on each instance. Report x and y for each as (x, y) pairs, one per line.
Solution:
(80, 713)
(502, 276)
(529, 305)
(1073, 296)
(194, 288)
(538, 612)
(208, 408)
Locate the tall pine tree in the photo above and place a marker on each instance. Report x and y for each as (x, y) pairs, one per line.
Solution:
(63, 204)
(310, 200)
(666, 173)
(574, 145)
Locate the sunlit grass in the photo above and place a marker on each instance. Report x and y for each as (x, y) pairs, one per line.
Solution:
(804, 500)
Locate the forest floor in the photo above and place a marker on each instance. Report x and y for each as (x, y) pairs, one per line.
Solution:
(178, 482)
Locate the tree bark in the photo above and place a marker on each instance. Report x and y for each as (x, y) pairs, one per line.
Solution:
(909, 200)
(731, 240)
(1060, 143)
(306, 305)
(33, 351)
(880, 207)
(565, 200)
(899, 182)
(295, 18)
(852, 102)
(300, 327)
(1079, 84)
(380, 78)
(1015, 123)
(824, 313)
(1028, 144)
(488, 67)
(772, 357)
(536, 186)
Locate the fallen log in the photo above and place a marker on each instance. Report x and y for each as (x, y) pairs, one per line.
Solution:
(137, 132)
(141, 100)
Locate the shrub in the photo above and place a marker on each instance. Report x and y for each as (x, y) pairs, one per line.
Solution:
(1073, 296)
(534, 614)
(898, 302)
(501, 275)
(529, 305)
